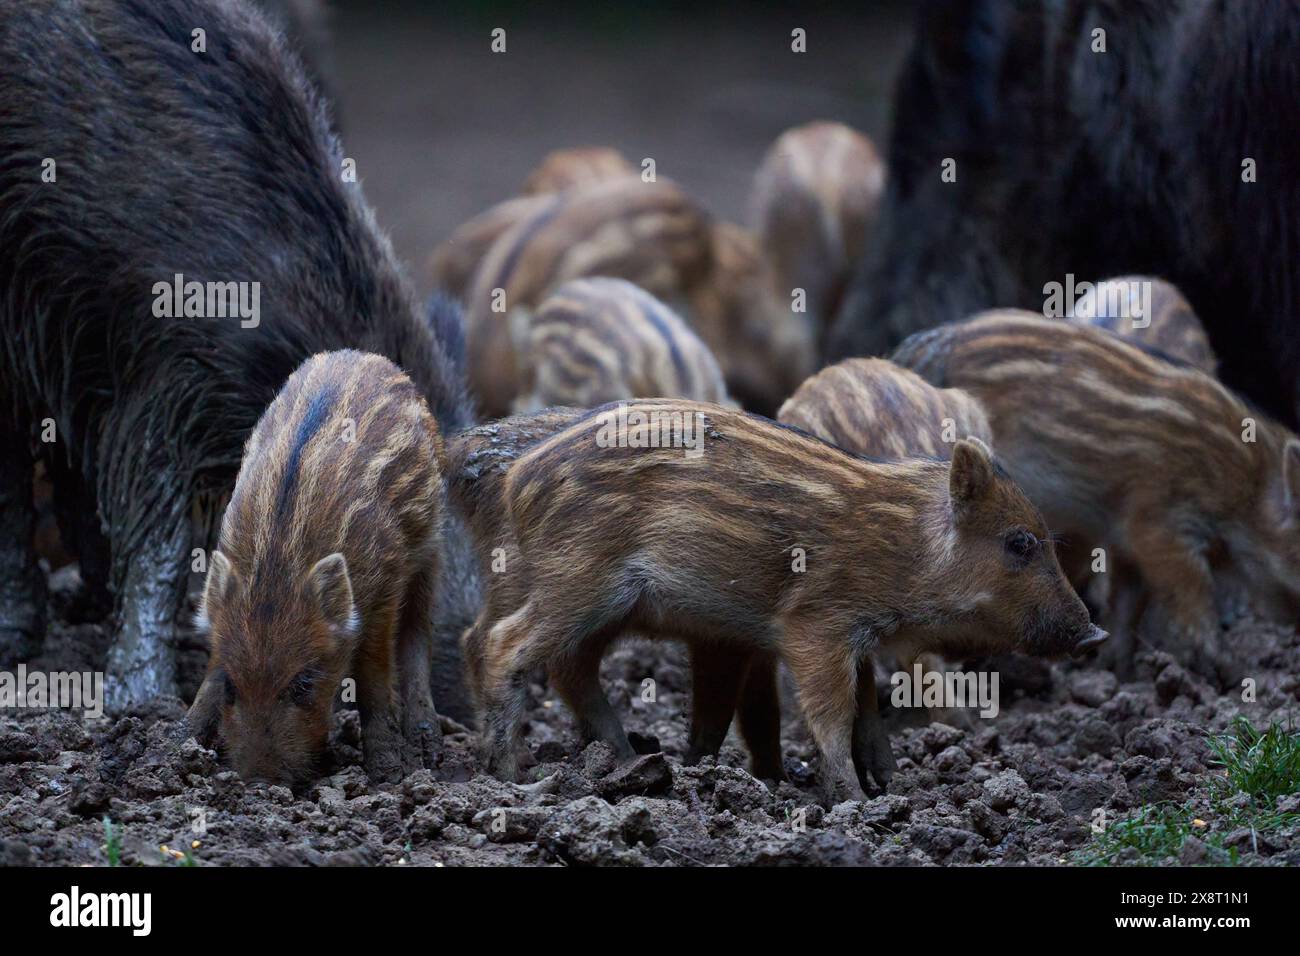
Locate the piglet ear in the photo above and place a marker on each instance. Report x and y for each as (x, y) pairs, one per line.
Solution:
(1291, 476)
(329, 583)
(971, 474)
(221, 584)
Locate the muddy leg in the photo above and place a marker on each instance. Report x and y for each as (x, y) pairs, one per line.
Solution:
(716, 676)
(1178, 576)
(506, 664)
(760, 718)
(873, 757)
(421, 735)
(141, 662)
(381, 730)
(460, 596)
(502, 596)
(576, 677)
(826, 677)
(22, 585)
(204, 714)
(1128, 601)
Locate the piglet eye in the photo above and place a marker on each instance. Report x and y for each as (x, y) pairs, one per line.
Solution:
(300, 688)
(1021, 543)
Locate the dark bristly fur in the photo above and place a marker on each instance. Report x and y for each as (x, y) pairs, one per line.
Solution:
(1150, 459)
(221, 167)
(614, 538)
(1096, 164)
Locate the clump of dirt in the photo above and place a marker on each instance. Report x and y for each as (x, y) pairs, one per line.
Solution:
(1076, 767)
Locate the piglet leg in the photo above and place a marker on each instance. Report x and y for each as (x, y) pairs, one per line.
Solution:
(1124, 610)
(421, 734)
(505, 658)
(576, 676)
(716, 676)
(204, 715)
(824, 673)
(760, 718)
(873, 757)
(1178, 575)
(381, 732)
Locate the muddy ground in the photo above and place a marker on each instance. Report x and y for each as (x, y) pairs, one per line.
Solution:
(1024, 787)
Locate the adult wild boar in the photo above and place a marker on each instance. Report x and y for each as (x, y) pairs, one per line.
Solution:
(1095, 138)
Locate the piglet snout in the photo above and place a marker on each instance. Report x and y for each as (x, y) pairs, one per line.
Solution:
(1092, 637)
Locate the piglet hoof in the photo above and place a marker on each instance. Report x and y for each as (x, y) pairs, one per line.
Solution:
(883, 773)
(383, 765)
(838, 788)
(422, 738)
(833, 792)
(768, 769)
(1117, 657)
(501, 765)
(201, 729)
(1215, 664)
(1226, 670)
(382, 751)
(1232, 610)
(873, 761)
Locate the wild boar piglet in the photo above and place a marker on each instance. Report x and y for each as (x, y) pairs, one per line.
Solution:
(741, 536)
(1152, 313)
(872, 407)
(326, 571)
(602, 340)
(1153, 472)
(650, 233)
(814, 201)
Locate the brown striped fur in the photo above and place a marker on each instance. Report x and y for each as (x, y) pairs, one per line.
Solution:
(651, 234)
(575, 168)
(764, 347)
(454, 261)
(1123, 449)
(602, 340)
(325, 570)
(872, 407)
(478, 460)
(1173, 329)
(814, 200)
(617, 538)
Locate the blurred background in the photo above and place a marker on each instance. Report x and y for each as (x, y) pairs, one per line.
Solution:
(441, 127)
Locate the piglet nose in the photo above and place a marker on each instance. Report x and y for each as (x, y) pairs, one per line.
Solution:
(1093, 637)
